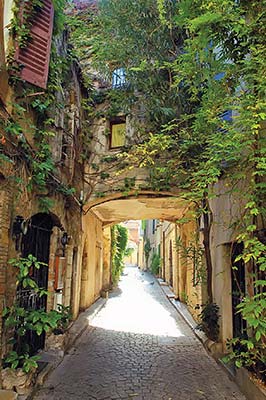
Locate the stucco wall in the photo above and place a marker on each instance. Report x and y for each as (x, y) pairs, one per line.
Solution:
(227, 207)
(92, 261)
(106, 258)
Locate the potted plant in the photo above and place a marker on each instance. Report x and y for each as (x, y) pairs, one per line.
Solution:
(19, 364)
(58, 338)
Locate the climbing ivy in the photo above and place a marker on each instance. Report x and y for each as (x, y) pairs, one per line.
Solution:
(156, 262)
(119, 240)
(193, 64)
(34, 166)
(21, 22)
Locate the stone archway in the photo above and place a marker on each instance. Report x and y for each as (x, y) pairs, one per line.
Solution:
(137, 205)
(100, 215)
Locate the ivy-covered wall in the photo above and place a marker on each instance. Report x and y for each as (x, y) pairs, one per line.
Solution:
(41, 168)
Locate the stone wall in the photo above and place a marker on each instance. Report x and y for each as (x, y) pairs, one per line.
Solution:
(227, 207)
(66, 146)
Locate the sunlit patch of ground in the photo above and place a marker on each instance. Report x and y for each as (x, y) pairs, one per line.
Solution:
(123, 311)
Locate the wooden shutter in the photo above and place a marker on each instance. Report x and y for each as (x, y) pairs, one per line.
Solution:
(35, 57)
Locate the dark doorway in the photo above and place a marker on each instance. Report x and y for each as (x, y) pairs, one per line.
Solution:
(238, 290)
(36, 242)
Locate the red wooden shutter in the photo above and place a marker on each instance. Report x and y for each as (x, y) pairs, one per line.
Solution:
(35, 57)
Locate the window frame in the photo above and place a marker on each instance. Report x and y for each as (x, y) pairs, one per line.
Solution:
(118, 78)
(116, 121)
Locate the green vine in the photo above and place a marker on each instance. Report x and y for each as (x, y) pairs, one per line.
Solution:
(39, 169)
(18, 321)
(156, 263)
(23, 15)
(201, 79)
(119, 240)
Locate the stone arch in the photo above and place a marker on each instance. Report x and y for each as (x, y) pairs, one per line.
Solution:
(143, 204)
(100, 214)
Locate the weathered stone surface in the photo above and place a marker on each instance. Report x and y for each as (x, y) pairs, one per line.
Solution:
(139, 347)
(8, 395)
(18, 380)
(56, 342)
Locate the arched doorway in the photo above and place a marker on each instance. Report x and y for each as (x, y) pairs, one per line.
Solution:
(36, 241)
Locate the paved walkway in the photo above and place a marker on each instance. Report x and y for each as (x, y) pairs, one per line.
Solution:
(138, 348)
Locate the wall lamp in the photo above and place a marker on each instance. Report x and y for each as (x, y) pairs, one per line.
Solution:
(19, 228)
(64, 241)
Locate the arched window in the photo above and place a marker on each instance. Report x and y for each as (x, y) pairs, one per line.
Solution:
(118, 78)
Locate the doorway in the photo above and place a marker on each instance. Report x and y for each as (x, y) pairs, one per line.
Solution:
(36, 242)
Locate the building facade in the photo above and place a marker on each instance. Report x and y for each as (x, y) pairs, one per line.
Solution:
(64, 182)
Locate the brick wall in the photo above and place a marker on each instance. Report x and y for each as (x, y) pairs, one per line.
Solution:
(5, 209)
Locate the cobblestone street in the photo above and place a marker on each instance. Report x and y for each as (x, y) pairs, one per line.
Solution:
(138, 347)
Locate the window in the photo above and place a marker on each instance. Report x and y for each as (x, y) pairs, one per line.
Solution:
(227, 116)
(118, 78)
(118, 133)
(35, 57)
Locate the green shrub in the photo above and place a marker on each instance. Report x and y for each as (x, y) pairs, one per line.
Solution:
(155, 264)
(210, 321)
(119, 241)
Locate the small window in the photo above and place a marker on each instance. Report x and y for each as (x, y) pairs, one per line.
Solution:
(227, 116)
(118, 133)
(118, 78)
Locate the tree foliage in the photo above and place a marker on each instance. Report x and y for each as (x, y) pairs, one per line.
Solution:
(189, 65)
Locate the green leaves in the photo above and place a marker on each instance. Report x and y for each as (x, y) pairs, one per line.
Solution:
(210, 321)
(14, 360)
(24, 267)
(155, 263)
(30, 363)
(20, 320)
(119, 240)
(251, 351)
(190, 63)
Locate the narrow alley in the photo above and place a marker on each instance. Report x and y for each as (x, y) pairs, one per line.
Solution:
(138, 347)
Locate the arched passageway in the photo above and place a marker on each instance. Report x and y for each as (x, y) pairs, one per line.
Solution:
(101, 214)
(138, 205)
(179, 244)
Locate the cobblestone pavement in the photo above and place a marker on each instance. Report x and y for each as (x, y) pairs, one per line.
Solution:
(139, 347)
